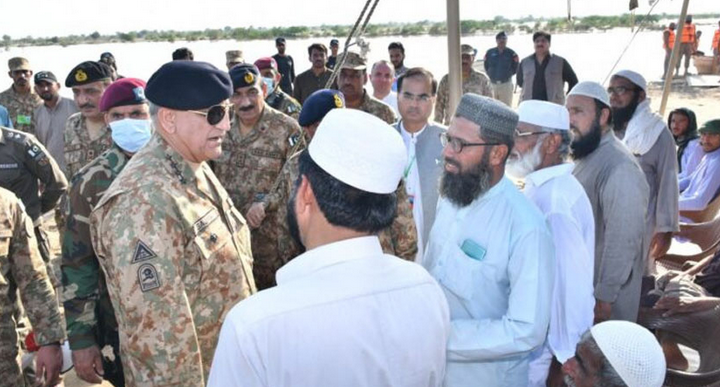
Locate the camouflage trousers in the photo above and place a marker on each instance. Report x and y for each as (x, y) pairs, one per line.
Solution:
(10, 372)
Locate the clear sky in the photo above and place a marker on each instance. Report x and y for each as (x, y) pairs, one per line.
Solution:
(49, 18)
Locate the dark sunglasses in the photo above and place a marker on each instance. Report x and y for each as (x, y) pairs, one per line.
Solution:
(214, 114)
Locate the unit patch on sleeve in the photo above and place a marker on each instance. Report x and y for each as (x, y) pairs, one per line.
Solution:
(142, 253)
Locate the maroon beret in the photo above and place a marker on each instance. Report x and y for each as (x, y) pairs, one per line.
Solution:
(266, 63)
(123, 92)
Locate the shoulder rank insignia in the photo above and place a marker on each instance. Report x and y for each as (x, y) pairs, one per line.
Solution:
(81, 76)
(142, 253)
(148, 277)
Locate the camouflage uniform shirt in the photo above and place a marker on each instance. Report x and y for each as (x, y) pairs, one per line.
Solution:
(20, 108)
(400, 239)
(284, 103)
(477, 83)
(22, 268)
(176, 256)
(377, 108)
(248, 169)
(85, 296)
(80, 149)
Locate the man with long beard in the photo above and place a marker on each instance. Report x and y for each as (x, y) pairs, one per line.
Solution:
(618, 193)
(542, 143)
(647, 137)
(491, 251)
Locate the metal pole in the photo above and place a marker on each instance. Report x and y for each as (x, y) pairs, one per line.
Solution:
(674, 57)
(454, 63)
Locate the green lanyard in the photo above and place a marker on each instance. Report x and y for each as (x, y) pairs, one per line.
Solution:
(407, 169)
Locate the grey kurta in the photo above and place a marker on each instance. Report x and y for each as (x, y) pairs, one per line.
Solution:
(618, 193)
(660, 167)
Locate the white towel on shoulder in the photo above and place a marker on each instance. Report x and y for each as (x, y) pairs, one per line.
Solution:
(643, 129)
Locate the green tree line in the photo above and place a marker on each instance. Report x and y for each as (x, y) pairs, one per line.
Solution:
(467, 27)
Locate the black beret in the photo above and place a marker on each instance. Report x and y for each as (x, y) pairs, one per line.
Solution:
(244, 75)
(88, 72)
(188, 85)
(318, 104)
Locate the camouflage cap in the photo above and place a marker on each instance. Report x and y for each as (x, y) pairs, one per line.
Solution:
(490, 114)
(354, 61)
(466, 49)
(711, 127)
(18, 63)
(234, 56)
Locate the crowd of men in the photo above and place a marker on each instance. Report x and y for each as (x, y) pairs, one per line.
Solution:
(251, 227)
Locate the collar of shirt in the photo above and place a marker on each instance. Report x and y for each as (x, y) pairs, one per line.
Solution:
(541, 176)
(410, 136)
(329, 255)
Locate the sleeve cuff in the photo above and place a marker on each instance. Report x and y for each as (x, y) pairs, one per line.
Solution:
(607, 293)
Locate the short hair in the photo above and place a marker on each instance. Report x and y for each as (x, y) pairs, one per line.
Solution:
(565, 140)
(688, 19)
(183, 53)
(599, 106)
(385, 62)
(344, 205)
(397, 46)
(541, 34)
(607, 376)
(418, 72)
(317, 46)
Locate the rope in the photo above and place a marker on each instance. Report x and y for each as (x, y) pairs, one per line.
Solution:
(640, 28)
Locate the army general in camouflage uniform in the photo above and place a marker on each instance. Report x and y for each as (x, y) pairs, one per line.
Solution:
(86, 134)
(275, 97)
(400, 239)
(472, 82)
(20, 100)
(91, 323)
(351, 81)
(175, 251)
(256, 148)
(21, 268)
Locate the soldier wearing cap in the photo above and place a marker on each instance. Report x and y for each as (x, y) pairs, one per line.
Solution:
(26, 165)
(399, 239)
(20, 100)
(256, 148)
(276, 98)
(50, 117)
(175, 251)
(23, 270)
(233, 58)
(316, 77)
(91, 322)
(286, 66)
(472, 82)
(491, 251)
(351, 81)
(332, 58)
(86, 133)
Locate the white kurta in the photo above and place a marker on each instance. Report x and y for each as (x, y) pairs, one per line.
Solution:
(568, 213)
(343, 314)
(691, 158)
(495, 261)
(698, 190)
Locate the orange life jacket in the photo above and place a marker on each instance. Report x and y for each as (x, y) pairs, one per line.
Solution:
(716, 39)
(688, 33)
(671, 39)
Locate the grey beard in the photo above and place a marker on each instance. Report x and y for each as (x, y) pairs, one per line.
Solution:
(464, 187)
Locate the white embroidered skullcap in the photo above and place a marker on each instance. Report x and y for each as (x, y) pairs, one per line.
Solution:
(360, 150)
(544, 114)
(633, 77)
(592, 90)
(632, 351)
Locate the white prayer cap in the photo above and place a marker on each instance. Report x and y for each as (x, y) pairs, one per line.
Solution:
(633, 77)
(544, 114)
(632, 351)
(360, 150)
(592, 90)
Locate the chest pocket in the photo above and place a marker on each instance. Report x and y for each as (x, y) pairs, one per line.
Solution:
(211, 234)
(9, 173)
(270, 161)
(460, 274)
(74, 154)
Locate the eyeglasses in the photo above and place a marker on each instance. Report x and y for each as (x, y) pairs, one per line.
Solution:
(418, 98)
(214, 114)
(457, 144)
(620, 90)
(527, 134)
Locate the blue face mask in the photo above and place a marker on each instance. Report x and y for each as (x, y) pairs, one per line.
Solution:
(130, 134)
(270, 83)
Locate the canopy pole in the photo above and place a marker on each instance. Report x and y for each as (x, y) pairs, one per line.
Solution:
(674, 57)
(454, 63)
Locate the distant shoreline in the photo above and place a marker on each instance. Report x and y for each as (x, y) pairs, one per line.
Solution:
(430, 28)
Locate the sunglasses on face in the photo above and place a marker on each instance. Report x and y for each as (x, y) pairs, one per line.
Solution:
(214, 114)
